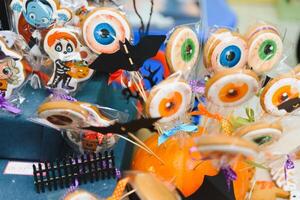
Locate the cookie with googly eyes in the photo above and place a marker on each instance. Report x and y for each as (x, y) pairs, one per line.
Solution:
(215, 146)
(232, 88)
(261, 133)
(65, 114)
(169, 100)
(281, 96)
(104, 28)
(225, 49)
(34, 18)
(265, 47)
(12, 73)
(182, 49)
(64, 49)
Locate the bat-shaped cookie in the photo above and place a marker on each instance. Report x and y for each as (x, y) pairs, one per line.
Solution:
(124, 129)
(129, 57)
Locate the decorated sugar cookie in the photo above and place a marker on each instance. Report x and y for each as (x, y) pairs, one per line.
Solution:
(65, 114)
(64, 49)
(80, 195)
(268, 190)
(225, 50)
(169, 100)
(232, 88)
(265, 47)
(261, 133)
(215, 146)
(34, 18)
(12, 74)
(182, 50)
(281, 96)
(104, 28)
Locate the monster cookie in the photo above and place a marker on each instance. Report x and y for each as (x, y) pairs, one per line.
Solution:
(12, 74)
(265, 47)
(34, 18)
(182, 49)
(261, 133)
(232, 88)
(103, 29)
(281, 96)
(80, 195)
(215, 146)
(169, 100)
(225, 49)
(63, 47)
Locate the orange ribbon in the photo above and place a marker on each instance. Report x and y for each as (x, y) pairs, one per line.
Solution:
(119, 190)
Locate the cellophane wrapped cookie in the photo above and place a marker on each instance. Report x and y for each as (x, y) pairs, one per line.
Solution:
(14, 69)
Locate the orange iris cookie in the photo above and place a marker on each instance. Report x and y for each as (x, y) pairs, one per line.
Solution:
(169, 100)
(225, 49)
(232, 88)
(265, 47)
(281, 96)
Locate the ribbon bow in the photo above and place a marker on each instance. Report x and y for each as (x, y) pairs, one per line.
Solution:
(229, 174)
(183, 127)
(198, 86)
(58, 95)
(289, 164)
(240, 121)
(5, 105)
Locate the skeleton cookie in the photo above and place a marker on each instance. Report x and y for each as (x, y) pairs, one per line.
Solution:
(12, 73)
(63, 47)
(34, 18)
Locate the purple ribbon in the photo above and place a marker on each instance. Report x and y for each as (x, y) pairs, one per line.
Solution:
(289, 164)
(118, 173)
(198, 86)
(229, 174)
(60, 96)
(5, 105)
(72, 188)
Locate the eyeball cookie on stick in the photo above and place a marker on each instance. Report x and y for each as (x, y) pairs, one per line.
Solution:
(225, 49)
(104, 28)
(265, 47)
(34, 18)
(281, 96)
(231, 88)
(182, 51)
(169, 100)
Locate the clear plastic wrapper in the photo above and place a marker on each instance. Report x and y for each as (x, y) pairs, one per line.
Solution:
(183, 49)
(14, 72)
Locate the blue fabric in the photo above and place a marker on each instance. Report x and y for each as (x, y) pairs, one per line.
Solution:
(17, 187)
(24, 140)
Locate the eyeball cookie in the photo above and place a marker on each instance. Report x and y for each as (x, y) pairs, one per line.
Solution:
(169, 100)
(261, 133)
(232, 88)
(215, 146)
(265, 47)
(182, 49)
(103, 29)
(281, 96)
(65, 114)
(225, 49)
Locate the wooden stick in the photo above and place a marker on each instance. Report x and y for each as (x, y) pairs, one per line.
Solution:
(128, 193)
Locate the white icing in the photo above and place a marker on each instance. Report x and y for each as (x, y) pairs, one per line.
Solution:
(228, 149)
(237, 78)
(166, 90)
(176, 60)
(272, 109)
(255, 62)
(94, 119)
